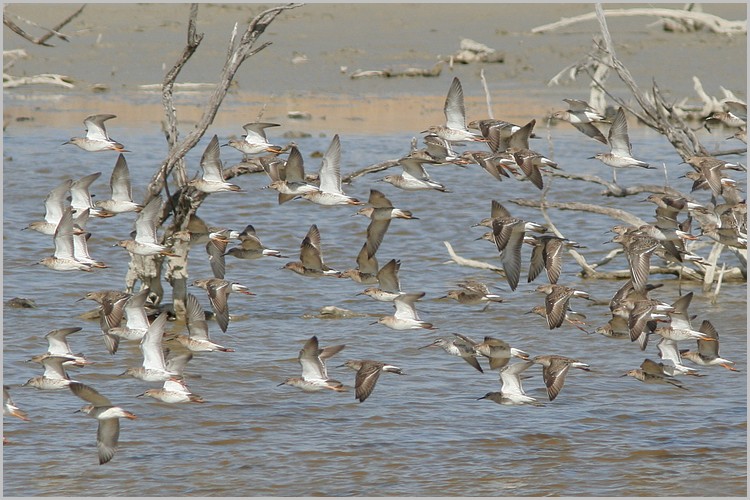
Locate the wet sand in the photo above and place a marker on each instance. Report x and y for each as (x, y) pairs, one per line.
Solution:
(119, 47)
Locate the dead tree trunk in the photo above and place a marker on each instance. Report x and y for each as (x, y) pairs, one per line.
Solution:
(186, 200)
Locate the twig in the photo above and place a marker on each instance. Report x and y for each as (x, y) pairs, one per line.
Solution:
(486, 94)
(715, 296)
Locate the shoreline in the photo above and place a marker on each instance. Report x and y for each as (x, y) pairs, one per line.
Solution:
(114, 49)
(354, 114)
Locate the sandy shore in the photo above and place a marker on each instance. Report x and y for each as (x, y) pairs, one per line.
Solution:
(120, 47)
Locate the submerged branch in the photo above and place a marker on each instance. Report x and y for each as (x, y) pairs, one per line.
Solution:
(477, 264)
(615, 213)
(377, 167)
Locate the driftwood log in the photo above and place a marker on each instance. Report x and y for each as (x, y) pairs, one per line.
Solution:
(710, 22)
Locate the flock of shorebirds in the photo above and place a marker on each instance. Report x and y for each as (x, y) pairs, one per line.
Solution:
(505, 154)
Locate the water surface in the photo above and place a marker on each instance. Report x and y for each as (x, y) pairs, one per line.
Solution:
(422, 434)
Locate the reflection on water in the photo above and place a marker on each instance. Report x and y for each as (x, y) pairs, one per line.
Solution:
(421, 434)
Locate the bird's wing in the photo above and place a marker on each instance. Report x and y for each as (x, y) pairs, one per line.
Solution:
(455, 113)
(58, 341)
(107, 435)
(388, 276)
(590, 130)
(151, 344)
(375, 233)
(79, 191)
(378, 200)
(146, 222)
(365, 380)
(294, 170)
(196, 318)
(218, 297)
(366, 262)
(404, 304)
(498, 210)
(95, 127)
(119, 182)
(554, 377)
(618, 135)
(577, 104)
(211, 163)
(256, 131)
(520, 138)
(680, 316)
(309, 255)
(312, 367)
(709, 348)
(54, 204)
(53, 367)
(89, 394)
(668, 351)
(63, 238)
(216, 249)
(414, 168)
(330, 168)
(135, 310)
(510, 377)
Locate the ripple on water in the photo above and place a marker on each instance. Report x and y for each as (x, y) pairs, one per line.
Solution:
(419, 434)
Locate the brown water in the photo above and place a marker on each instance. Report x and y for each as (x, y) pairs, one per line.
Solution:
(420, 434)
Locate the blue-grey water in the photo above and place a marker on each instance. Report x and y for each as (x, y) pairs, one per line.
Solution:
(422, 434)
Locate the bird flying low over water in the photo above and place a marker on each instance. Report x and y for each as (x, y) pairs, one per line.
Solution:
(212, 180)
(620, 154)
(312, 358)
(96, 138)
(310, 258)
(368, 373)
(454, 129)
(108, 415)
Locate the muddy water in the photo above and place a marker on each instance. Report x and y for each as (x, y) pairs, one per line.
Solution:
(423, 433)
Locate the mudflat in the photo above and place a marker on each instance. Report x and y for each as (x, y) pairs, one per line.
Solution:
(113, 50)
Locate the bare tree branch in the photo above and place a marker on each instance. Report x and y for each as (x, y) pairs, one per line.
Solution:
(658, 114)
(234, 59)
(186, 201)
(42, 40)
